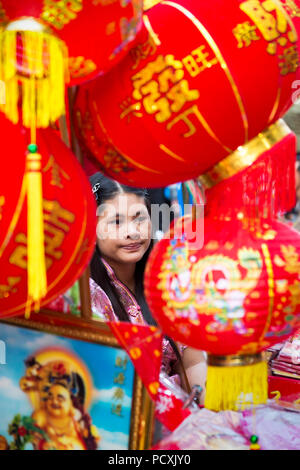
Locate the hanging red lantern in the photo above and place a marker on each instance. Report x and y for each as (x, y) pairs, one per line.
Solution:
(47, 43)
(234, 297)
(69, 221)
(192, 89)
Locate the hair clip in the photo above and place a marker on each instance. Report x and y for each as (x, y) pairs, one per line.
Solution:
(96, 187)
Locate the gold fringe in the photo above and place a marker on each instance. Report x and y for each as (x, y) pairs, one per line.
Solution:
(236, 387)
(44, 59)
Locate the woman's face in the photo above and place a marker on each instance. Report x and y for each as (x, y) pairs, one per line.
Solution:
(124, 228)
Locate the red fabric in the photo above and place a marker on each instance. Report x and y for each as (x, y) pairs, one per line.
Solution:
(169, 409)
(144, 346)
(268, 184)
(69, 217)
(283, 389)
(162, 115)
(94, 31)
(238, 294)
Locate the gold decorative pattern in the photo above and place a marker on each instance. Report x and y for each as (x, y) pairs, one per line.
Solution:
(235, 360)
(59, 13)
(171, 153)
(115, 162)
(290, 260)
(267, 235)
(245, 155)
(81, 67)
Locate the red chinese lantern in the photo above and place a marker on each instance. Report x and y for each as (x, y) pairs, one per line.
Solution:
(47, 43)
(192, 90)
(234, 297)
(69, 221)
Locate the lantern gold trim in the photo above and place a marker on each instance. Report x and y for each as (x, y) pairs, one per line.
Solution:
(234, 360)
(245, 155)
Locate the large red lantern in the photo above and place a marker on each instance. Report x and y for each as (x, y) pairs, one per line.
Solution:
(69, 221)
(234, 297)
(192, 90)
(47, 43)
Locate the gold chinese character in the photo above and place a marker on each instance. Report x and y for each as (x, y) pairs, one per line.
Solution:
(245, 33)
(55, 214)
(80, 67)
(121, 362)
(115, 162)
(119, 378)
(142, 51)
(162, 88)
(198, 61)
(181, 94)
(19, 256)
(7, 289)
(129, 108)
(119, 394)
(186, 120)
(292, 7)
(146, 74)
(56, 172)
(57, 222)
(60, 13)
(116, 409)
(290, 60)
(154, 103)
(261, 14)
(263, 19)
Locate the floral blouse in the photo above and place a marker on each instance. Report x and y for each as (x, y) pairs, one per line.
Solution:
(102, 309)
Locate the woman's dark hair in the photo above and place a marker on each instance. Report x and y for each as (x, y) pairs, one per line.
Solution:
(105, 189)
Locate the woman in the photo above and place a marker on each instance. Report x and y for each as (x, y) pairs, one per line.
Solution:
(117, 267)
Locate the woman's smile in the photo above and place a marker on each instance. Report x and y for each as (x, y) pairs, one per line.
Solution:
(132, 246)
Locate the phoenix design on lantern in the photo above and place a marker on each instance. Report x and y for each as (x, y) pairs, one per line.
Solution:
(214, 285)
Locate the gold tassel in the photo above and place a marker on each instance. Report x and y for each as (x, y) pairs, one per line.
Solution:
(39, 78)
(44, 58)
(36, 263)
(236, 382)
(36, 260)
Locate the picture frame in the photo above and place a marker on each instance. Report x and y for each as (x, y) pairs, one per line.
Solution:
(61, 350)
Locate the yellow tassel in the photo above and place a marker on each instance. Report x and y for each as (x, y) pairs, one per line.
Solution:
(36, 264)
(254, 447)
(44, 59)
(236, 387)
